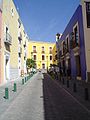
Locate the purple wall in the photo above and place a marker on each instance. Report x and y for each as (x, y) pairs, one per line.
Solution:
(77, 17)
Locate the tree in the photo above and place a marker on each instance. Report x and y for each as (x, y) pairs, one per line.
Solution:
(30, 63)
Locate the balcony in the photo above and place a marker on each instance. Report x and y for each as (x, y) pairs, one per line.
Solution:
(73, 44)
(20, 36)
(8, 39)
(43, 52)
(20, 50)
(56, 57)
(50, 52)
(34, 51)
(24, 45)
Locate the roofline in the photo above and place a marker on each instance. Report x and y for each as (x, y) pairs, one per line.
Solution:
(41, 42)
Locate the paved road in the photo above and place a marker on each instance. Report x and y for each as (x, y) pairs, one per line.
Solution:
(60, 105)
(28, 105)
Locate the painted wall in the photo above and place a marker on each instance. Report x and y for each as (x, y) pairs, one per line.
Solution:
(10, 18)
(39, 53)
(0, 47)
(87, 38)
(77, 18)
(54, 54)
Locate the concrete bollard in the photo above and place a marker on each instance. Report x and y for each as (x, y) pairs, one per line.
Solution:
(67, 83)
(6, 93)
(86, 94)
(74, 87)
(22, 81)
(15, 87)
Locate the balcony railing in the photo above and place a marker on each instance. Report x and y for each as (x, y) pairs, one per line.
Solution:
(20, 50)
(20, 36)
(50, 52)
(8, 39)
(73, 41)
(34, 51)
(43, 51)
(73, 44)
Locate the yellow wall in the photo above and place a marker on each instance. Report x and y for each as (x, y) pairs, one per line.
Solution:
(10, 18)
(12, 23)
(39, 54)
(54, 55)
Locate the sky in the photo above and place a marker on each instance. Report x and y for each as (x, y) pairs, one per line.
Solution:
(42, 19)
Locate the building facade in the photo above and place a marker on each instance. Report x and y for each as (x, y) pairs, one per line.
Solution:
(41, 52)
(54, 55)
(0, 43)
(14, 41)
(73, 46)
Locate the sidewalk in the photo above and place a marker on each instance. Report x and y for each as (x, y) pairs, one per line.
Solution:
(5, 103)
(28, 104)
(79, 94)
(80, 90)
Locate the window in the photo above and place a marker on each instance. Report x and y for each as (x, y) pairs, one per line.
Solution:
(88, 6)
(71, 40)
(43, 66)
(19, 22)
(43, 49)
(50, 50)
(12, 12)
(88, 14)
(50, 57)
(34, 49)
(64, 47)
(19, 54)
(24, 58)
(34, 57)
(67, 43)
(76, 35)
(43, 57)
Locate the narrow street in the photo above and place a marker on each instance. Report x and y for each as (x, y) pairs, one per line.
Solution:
(44, 100)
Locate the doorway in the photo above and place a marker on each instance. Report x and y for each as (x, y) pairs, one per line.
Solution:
(78, 66)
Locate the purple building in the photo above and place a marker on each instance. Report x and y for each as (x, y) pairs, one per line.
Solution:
(74, 45)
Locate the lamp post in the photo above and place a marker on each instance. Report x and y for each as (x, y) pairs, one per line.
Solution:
(47, 63)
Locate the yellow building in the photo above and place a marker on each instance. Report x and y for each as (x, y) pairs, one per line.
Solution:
(14, 42)
(54, 55)
(41, 52)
